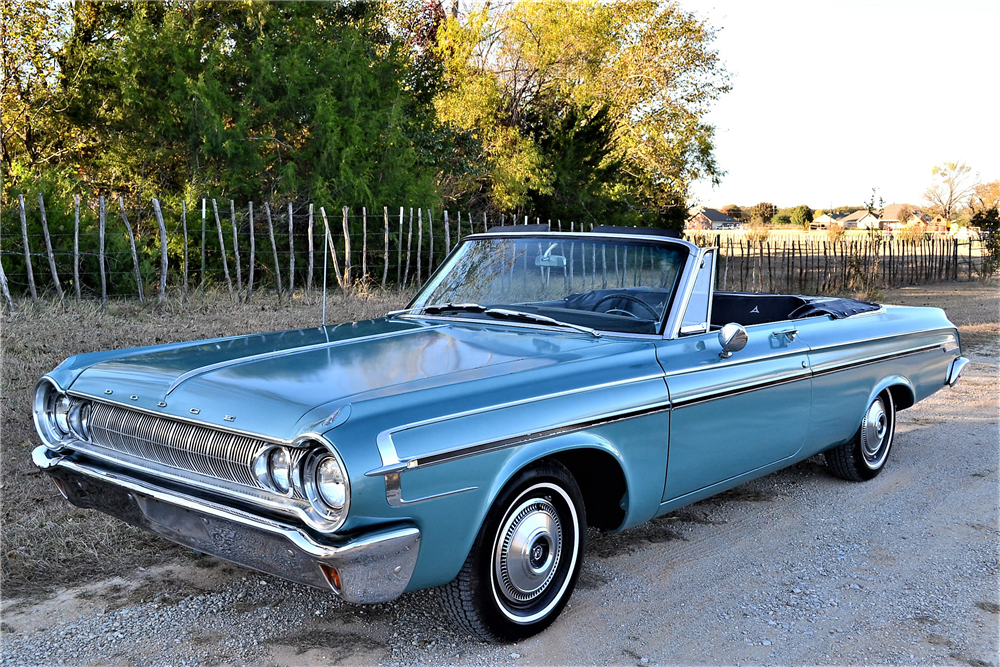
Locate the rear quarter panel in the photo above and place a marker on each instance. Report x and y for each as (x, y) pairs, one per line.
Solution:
(856, 358)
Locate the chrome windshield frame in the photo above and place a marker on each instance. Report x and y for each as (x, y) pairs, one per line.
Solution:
(676, 306)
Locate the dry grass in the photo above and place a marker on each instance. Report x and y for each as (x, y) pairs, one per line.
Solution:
(47, 543)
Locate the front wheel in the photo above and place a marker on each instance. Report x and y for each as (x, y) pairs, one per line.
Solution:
(865, 455)
(526, 558)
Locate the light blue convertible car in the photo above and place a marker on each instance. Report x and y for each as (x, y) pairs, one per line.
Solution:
(538, 384)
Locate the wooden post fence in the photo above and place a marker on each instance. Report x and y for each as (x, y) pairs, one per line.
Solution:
(364, 244)
(309, 243)
(236, 245)
(347, 250)
(48, 247)
(333, 252)
(76, 246)
(27, 252)
(385, 246)
(135, 257)
(203, 245)
(222, 246)
(184, 225)
(163, 250)
(274, 245)
(100, 255)
(253, 252)
(291, 253)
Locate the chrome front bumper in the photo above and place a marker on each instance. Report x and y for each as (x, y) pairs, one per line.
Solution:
(375, 567)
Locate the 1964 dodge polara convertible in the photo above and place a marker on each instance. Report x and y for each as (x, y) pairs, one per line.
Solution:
(538, 384)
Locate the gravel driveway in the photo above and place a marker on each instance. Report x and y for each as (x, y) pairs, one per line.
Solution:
(793, 568)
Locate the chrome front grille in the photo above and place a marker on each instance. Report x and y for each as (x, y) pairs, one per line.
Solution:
(206, 451)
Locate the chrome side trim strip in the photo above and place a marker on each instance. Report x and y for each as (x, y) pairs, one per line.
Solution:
(276, 354)
(394, 492)
(833, 368)
(387, 449)
(740, 389)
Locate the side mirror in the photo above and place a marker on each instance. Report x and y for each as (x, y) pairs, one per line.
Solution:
(732, 338)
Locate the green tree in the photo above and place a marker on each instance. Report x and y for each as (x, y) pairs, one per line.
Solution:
(802, 215)
(652, 65)
(762, 212)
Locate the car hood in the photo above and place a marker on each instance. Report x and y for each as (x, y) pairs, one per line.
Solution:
(266, 383)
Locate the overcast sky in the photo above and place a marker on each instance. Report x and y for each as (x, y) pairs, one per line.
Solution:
(832, 98)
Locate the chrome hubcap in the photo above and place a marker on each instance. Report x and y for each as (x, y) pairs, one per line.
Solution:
(874, 433)
(528, 551)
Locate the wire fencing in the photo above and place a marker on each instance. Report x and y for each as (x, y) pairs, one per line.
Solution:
(104, 248)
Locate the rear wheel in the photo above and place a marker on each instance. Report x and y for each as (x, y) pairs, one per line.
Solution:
(865, 455)
(525, 561)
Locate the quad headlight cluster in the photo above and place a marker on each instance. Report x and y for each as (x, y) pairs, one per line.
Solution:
(59, 417)
(311, 471)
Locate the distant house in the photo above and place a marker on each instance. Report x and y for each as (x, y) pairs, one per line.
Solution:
(710, 218)
(825, 220)
(892, 216)
(860, 219)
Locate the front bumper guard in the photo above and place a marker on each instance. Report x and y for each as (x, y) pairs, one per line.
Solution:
(375, 567)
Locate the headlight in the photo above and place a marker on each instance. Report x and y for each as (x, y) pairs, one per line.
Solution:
(327, 485)
(279, 464)
(331, 484)
(273, 469)
(60, 418)
(61, 414)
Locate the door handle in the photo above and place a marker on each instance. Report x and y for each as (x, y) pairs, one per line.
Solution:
(790, 334)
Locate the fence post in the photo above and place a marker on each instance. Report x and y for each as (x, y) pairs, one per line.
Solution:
(385, 246)
(447, 234)
(100, 252)
(163, 250)
(364, 244)
(203, 245)
(76, 246)
(236, 245)
(48, 247)
(184, 226)
(291, 253)
(27, 252)
(274, 246)
(399, 251)
(333, 252)
(222, 246)
(309, 243)
(420, 242)
(253, 254)
(409, 246)
(5, 287)
(347, 250)
(135, 257)
(430, 242)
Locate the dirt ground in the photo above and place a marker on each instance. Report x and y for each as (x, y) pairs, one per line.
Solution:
(796, 567)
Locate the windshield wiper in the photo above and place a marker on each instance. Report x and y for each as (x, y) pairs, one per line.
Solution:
(503, 313)
(437, 308)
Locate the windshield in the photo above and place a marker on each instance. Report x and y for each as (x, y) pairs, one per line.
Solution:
(617, 285)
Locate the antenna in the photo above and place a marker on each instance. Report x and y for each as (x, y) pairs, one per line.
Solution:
(326, 240)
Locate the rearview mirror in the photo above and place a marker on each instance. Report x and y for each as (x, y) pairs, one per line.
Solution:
(552, 261)
(732, 338)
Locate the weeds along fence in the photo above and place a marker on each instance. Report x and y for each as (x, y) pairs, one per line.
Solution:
(102, 248)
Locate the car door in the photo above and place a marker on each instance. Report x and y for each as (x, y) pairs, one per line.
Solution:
(732, 416)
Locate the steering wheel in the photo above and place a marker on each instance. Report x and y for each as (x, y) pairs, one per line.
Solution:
(627, 297)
